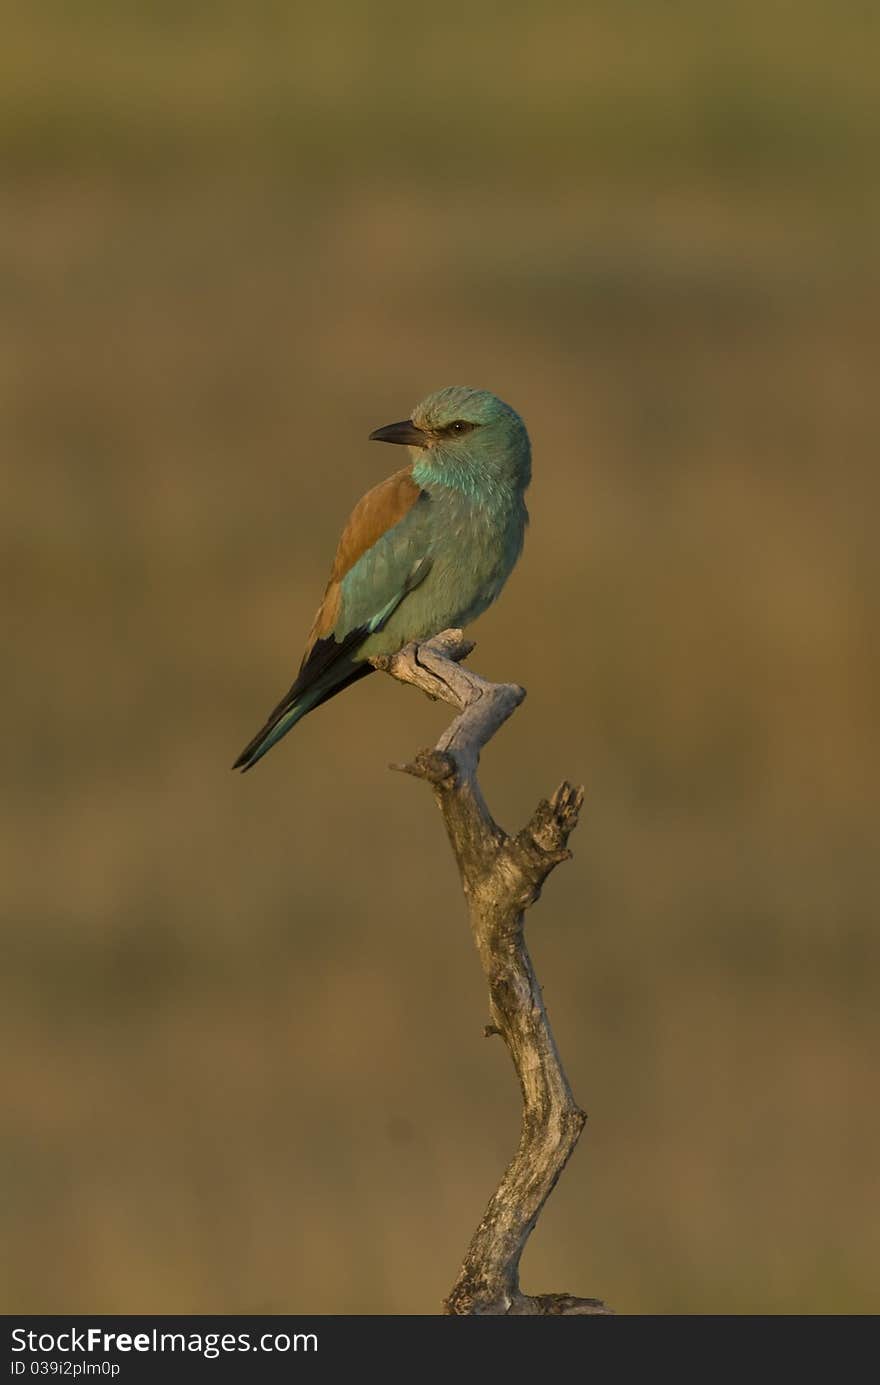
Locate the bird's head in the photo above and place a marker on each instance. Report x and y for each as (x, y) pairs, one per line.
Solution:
(462, 436)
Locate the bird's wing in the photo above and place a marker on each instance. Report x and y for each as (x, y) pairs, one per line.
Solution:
(382, 555)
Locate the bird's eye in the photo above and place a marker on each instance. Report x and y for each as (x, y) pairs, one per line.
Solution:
(460, 426)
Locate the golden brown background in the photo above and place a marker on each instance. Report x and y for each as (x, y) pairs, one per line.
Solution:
(241, 1017)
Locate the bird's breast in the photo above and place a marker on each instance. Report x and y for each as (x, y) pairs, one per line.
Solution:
(475, 547)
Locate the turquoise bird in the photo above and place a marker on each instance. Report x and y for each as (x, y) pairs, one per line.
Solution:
(428, 549)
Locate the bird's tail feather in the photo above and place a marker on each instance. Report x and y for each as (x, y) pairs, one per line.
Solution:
(280, 722)
(294, 706)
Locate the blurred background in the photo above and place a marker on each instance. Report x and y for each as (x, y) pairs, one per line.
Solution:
(241, 1017)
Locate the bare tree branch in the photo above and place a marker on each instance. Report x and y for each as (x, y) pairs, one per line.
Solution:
(501, 876)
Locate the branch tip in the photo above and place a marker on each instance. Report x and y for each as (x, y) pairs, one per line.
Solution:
(434, 765)
(568, 1305)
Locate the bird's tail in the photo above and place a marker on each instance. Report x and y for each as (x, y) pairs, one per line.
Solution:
(285, 716)
(294, 706)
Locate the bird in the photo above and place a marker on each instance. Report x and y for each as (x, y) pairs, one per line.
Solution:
(426, 550)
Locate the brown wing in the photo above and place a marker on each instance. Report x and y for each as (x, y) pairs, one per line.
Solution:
(329, 664)
(374, 514)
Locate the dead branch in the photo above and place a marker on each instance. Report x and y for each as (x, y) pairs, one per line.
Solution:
(501, 876)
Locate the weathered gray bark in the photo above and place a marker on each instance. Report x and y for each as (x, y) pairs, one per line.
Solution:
(501, 877)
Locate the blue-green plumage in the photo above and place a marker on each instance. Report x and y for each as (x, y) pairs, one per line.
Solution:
(426, 550)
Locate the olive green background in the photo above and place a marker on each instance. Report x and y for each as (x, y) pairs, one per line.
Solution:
(241, 1017)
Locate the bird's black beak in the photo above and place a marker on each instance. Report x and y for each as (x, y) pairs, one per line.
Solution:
(405, 432)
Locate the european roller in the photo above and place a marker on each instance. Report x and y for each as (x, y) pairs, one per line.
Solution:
(428, 549)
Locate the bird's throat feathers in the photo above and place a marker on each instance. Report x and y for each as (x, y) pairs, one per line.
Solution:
(481, 476)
